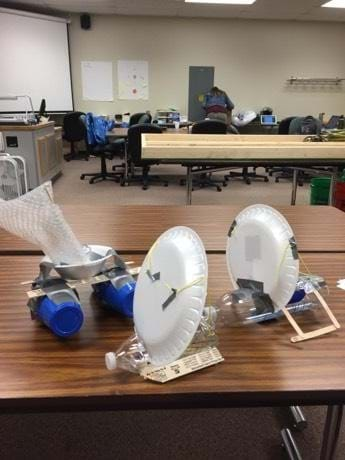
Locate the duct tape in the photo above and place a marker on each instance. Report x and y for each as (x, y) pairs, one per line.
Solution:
(232, 228)
(153, 277)
(293, 246)
(255, 290)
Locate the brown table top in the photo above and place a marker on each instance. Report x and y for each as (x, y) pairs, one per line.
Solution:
(262, 367)
(123, 132)
(26, 127)
(135, 228)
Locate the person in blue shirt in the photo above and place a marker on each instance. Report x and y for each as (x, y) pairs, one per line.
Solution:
(218, 105)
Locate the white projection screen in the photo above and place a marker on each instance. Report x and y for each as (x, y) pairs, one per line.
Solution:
(34, 61)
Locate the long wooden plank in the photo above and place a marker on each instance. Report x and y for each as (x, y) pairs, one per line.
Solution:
(221, 138)
(261, 366)
(135, 228)
(234, 152)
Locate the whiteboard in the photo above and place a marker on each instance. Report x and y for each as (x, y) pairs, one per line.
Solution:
(133, 79)
(34, 61)
(97, 80)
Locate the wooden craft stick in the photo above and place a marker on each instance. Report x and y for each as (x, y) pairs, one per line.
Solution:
(318, 332)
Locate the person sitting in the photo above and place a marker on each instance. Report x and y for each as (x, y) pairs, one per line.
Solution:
(218, 106)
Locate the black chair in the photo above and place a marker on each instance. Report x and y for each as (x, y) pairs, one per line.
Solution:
(209, 127)
(104, 152)
(245, 175)
(134, 156)
(284, 173)
(284, 125)
(140, 118)
(74, 131)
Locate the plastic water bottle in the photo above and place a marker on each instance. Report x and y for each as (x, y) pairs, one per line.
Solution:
(131, 356)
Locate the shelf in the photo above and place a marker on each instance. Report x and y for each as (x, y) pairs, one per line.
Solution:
(315, 81)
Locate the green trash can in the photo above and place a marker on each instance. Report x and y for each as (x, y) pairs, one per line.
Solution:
(319, 190)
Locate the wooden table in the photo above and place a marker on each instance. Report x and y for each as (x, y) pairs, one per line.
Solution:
(135, 228)
(117, 133)
(261, 366)
(211, 153)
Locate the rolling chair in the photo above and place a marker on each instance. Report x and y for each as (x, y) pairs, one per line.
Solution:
(140, 118)
(74, 131)
(134, 156)
(284, 173)
(104, 152)
(209, 127)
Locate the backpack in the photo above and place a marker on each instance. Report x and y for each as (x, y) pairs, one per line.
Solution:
(309, 125)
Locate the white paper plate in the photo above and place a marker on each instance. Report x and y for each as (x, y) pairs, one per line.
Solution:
(259, 249)
(179, 256)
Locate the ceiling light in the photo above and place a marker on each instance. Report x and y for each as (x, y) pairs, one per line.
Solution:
(335, 4)
(223, 2)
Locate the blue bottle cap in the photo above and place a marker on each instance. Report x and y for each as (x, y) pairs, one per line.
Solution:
(297, 296)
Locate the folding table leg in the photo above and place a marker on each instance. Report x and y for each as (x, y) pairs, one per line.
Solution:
(289, 445)
(331, 432)
(299, 421)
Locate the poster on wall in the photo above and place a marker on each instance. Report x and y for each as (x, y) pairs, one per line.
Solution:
(133, 79)
(97, 80)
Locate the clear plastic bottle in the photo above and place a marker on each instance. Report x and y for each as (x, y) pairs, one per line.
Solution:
(236, 313)
(131, 356)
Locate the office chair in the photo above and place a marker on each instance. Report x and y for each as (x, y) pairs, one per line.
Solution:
(74, 131)
(208, 127)
(104, 152)
(245, 175)
(140, 118)
(284, 173)
(134, 155)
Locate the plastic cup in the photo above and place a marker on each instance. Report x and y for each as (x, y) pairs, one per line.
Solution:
(177, 124)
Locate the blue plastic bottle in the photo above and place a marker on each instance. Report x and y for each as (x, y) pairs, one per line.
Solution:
(61, 312)
(117, 294)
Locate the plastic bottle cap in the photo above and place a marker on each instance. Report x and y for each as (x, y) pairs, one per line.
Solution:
(110, 361)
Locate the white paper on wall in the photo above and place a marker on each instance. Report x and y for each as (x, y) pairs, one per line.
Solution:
(97, 80)
(133, 79)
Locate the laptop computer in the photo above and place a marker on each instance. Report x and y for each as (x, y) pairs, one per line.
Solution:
(268, 120)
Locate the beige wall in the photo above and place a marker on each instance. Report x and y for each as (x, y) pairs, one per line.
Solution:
(252, 60)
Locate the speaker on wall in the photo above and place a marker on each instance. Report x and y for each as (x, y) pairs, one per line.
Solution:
(85, 21)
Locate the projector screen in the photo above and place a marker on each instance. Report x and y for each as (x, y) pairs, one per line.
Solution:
(34, 61)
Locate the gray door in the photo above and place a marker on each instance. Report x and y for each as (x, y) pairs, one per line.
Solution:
(201, 80)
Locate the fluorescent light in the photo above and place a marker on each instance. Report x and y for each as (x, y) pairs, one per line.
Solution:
(223, 2)
(335, 4)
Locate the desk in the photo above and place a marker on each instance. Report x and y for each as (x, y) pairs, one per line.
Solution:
(224, 151)
(40, 145)
(262, 368)
(317, 228)
(117, 133)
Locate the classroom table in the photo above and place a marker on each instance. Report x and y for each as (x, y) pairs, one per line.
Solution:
(262, 367)
(135, 228)
(205, 153)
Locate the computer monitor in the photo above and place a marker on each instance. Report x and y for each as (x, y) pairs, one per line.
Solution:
(268, 120)
(42, 108)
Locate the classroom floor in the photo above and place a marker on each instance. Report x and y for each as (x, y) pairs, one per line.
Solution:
(68, 188)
